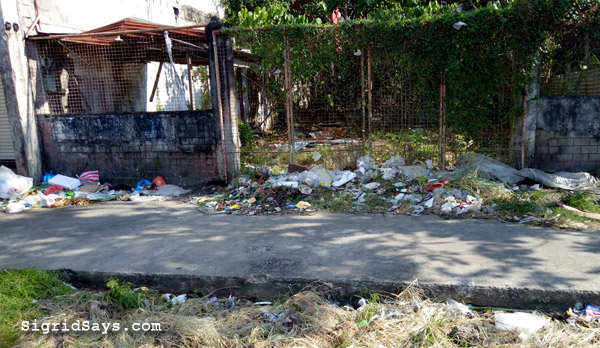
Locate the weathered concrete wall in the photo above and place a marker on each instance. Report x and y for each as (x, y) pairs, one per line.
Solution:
(128, 147)
(568, 133)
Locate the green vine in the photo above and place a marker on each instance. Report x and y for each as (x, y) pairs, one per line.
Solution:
(486, 63)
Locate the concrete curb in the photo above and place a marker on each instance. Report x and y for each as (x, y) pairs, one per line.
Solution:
(265, 287)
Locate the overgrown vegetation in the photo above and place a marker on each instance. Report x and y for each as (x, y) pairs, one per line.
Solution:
(19, 292)
(414, 47)
(408, 319)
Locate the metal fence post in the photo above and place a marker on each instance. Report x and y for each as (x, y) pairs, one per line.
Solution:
(362, 98)
(370, 97)
(442, 135)
(288, 99)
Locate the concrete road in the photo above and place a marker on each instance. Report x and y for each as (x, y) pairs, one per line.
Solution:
(172, 238)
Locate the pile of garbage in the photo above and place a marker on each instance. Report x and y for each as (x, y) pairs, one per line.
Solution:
(394, 186)
(61, 190)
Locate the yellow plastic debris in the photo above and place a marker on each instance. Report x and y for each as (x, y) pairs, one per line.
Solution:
(303, 205)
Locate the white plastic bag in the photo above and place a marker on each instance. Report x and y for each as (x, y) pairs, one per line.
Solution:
(525, 323)
(564, 180)
(318, 177)
(11, 184)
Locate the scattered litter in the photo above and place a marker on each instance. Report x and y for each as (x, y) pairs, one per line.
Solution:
(159, 181)
(365, 163)
(458, 25)
(53, 189)
(89, 188)
(47, 176)
(175, 300)
(417, 209)
(535, 187)
(143, 184)
(389, 173)
(303, 205)
(171, 190)
(263, 303)
(305, 189)
(65, 182)
(90, 177)
(428, 203)
(12, 185)
(372, 185)
(316, 156)
(318, 177)
(432, 185)
(139, 198)
(525, 323)
(211, 300)
(457, 309)
(488, 168)
(586, 312)
(414, 172)
(394, 162)
(14, 207)
(346, 177)
(563, 180)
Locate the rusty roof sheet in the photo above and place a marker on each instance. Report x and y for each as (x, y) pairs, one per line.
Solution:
(135, 28)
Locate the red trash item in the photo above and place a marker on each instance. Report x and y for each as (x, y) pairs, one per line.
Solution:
(52, 189)
(437, 184)
(92, 176)
(159, 181)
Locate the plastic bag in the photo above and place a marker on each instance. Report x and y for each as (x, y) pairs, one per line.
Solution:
(318, 177)
(11, 184)
(567, 181)
(488, 168)
(171, 190)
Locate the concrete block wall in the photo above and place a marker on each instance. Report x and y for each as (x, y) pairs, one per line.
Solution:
(567, 135)
(561, 151)
(125, 148)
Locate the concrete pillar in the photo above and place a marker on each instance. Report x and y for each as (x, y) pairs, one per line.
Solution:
(532, 94)
(224, 91)
(14, 71)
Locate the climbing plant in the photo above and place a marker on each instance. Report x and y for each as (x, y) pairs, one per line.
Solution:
(485, 55)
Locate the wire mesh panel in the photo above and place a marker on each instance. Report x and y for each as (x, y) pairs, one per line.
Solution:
(136, 71)
(347, 100)
(352, 95)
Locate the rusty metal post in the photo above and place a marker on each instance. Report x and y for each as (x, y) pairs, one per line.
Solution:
(442, 135)
(288, 99)
(219, 101)
(370, 97)
(362, 97)
(524, 132)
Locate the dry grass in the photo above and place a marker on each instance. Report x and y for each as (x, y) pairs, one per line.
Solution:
(308, 320)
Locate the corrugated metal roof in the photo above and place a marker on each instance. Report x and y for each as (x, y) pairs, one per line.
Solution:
(136, 29)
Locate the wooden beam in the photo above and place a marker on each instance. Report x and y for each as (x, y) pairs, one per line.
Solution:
(189, 66)
(156, 81)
